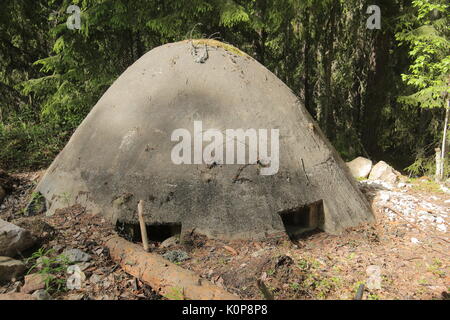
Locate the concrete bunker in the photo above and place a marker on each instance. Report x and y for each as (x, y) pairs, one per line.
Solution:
(121, 152)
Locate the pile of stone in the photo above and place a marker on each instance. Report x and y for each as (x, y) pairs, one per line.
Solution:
(385, 185)
(423, 213)
(362, 168)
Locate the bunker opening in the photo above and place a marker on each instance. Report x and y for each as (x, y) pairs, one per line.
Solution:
(303, 221)
(156, 232)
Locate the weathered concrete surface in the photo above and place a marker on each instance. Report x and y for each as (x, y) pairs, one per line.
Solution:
(121, 153)
(360, 167)
(13, 239)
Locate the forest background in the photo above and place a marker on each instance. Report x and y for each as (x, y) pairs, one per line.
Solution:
(379, 93)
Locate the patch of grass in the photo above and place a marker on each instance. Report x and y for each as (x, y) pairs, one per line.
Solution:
(351, 256)
(294, 286)
(337, 268)
(38, 201)
(308, 264)
(436, 268)
(322, 286)
(357, 285)
(373, 296)
(52, 268)
(36, 196)
(175, 293)
(29, 145)
(314, 281)
(270, 272)
(219, 44)
(286, 244)
(425, 185)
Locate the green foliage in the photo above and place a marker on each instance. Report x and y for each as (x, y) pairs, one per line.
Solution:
(437, 268)
(349, 78)
(52, 268)
(314, 282)
(29, 145)
(373, 296)
(175, 293)
(426, 33)
(426, 186)
(426, 165)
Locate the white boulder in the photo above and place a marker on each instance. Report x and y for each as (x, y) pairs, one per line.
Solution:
(360, 167)
(373, 281)
(384, 172)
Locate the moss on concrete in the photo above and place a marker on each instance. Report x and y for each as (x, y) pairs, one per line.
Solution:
(219, 44)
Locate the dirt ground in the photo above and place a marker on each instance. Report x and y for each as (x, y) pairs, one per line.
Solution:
(409, 244)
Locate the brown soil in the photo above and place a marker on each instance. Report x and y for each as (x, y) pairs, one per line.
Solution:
(319, 266)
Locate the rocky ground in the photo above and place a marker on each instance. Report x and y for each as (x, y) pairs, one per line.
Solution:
(68, 254)
(403, 256)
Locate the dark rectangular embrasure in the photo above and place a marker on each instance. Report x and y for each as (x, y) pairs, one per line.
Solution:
(300, 220)
(155, 232)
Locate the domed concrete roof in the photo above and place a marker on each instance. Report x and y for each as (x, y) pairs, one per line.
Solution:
(124, 151)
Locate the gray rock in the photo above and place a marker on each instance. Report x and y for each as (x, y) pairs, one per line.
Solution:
(176, 256)
(33, 282)
(41, 295)
(169, 242)
(360, 167)
(76, 255)
(384, 172)
(76, 279)
(10, 269)
(374, 277)
(84, 265)
(13, 239)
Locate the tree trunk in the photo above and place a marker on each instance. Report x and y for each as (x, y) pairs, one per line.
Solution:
(444, 143)
(165, 277)
(437, 176)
